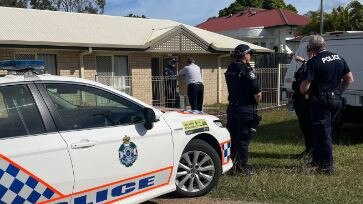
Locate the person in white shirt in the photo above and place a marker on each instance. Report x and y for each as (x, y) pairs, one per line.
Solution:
(193, 77)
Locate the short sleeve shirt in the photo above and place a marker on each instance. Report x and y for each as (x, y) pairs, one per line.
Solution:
(325, 71)
(169, 71)
(192, 73)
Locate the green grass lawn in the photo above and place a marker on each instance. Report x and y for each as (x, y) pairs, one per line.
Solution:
(281, 178)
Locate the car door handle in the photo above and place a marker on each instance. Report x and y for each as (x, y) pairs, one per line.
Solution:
(84, 143)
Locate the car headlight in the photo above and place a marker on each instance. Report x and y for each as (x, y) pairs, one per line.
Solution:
(218, 123)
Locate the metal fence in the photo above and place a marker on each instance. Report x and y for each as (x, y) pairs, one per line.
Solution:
(121, 83)
(271, 82)
(164, 89)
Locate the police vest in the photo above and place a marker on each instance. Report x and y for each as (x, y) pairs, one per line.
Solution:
(241, 83)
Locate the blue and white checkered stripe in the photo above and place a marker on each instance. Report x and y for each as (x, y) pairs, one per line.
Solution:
(193, 112)
(18, 187)
(226, 152)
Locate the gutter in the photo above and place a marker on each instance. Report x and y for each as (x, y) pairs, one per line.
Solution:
(265, 50)
(73, 44)
(82, 60)
(219, 77)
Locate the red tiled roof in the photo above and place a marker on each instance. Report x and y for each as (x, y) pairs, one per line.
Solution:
(253, 17)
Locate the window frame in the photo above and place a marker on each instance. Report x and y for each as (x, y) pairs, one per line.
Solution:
(113, 62)
(55, 114)
(36, 57)
(44, 114)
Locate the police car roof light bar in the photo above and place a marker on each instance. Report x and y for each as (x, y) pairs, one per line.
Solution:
(22, 65)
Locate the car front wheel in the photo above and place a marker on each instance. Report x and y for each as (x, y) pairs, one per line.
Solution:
(199, 169)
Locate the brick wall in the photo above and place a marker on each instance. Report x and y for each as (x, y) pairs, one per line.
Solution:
(6, 54)
(89, 62)
(68, 63)
(209, 67)
(140, 68)
(225, 61)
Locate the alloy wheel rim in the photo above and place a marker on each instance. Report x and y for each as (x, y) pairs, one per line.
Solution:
(195, 171)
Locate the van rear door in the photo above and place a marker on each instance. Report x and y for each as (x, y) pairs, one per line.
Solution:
(350, 48)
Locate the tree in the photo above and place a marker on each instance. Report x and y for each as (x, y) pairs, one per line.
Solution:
(14, 3)
(240, 5)
(356, 14)
(272, 4)
(42, 5)
(80, 6)
(340, 19)
(314, 25)
(135, 16)
(252, 3)
(291, 8)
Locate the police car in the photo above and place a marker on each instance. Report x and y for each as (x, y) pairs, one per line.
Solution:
(70, 140)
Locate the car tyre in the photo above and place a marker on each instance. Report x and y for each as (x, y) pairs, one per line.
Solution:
(198, 171)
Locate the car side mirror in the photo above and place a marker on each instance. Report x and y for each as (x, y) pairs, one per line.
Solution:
(149, 118)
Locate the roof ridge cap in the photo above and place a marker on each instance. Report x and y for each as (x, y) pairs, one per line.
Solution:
(283, 16)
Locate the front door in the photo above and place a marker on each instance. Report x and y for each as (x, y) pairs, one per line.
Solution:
(157, 82)
(113, 155)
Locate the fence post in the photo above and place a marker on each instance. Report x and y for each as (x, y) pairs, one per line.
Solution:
(278, 85)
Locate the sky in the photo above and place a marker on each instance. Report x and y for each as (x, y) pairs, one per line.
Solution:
(194, 12)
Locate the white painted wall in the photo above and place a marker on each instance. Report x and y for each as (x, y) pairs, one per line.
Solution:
(265, 37)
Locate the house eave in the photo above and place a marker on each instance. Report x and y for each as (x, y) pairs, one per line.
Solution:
(65, 45)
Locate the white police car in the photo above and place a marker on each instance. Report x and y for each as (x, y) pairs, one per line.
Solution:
(70, 140)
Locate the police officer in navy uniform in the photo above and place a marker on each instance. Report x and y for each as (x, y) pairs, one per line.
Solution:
(170, 83)
(301, 104)
(327, 76)
(244, 95)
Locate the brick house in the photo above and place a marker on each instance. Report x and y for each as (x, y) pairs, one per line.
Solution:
(99, 46)
(268, 28)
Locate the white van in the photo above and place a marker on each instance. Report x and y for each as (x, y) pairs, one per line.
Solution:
(349, 45)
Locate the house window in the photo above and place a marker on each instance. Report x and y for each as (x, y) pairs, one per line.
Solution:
(50, 60)
(25, 56)
(104, 65)
(112, 65)
(120, 66)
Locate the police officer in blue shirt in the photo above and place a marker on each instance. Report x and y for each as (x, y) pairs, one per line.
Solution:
(327, 76)
(301, 104)
(170, 84)
(244, 94)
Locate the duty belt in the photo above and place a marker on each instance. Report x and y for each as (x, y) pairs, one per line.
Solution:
(330, 95)
(235, 103)
(238, 103)
(325, 96)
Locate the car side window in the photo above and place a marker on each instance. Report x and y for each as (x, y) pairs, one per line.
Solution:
(83, 107)
(19, 114)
